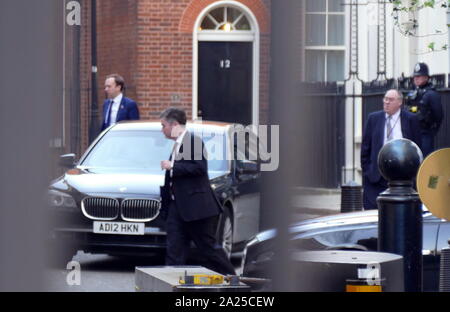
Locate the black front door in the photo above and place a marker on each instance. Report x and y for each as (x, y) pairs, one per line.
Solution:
(225, 81)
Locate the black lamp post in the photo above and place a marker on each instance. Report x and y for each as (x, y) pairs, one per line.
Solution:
(93, 124)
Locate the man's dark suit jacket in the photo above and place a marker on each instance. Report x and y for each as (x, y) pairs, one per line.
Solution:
(373, 139)
(128, 110)
(194, 197)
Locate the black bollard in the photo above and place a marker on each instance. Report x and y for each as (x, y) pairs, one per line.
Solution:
(351, 197)
(400, 209)
(444, 272)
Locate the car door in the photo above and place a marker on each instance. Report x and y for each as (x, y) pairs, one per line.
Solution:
(246, 200)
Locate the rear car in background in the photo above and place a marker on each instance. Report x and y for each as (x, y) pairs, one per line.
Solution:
(346, 231)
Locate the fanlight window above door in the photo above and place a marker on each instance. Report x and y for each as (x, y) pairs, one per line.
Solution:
(225, 19)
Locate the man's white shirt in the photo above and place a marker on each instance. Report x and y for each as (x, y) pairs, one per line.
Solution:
(178, 141)
(397, 127)
(115, 109)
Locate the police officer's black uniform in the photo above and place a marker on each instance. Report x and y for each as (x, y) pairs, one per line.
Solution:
(426, 103)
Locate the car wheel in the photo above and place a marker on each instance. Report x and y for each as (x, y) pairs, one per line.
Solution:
(226, 232)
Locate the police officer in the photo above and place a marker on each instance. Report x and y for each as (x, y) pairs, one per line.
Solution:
(426, 103)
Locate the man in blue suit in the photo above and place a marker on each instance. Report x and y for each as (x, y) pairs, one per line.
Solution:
(117, 107)
(381, 127)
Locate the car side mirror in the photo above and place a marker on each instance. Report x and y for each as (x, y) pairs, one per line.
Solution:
(247, 167)
(67, 160)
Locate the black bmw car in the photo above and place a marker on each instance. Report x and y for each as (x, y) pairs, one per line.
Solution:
(347, 231)
(109, 200)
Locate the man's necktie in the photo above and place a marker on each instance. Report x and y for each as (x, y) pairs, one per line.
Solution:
(172, 158)
(173, 155)
(108, 114)
(389, 130)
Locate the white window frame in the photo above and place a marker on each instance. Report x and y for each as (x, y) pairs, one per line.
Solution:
(322, 48)
(235, 36)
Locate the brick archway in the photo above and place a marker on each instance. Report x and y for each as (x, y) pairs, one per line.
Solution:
(194, 9)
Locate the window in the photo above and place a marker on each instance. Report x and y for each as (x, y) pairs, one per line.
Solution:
(324, 40)
(225, 19)
(144, 150)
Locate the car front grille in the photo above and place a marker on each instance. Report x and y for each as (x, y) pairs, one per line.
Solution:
(100, 208)
(108, 209)
(143, 210)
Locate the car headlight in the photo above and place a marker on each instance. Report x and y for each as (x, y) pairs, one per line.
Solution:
(266, 235)
(260, 237)
(252, 242)
(59, 199)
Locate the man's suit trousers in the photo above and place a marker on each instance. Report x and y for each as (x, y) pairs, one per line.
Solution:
(201, 232)
(371, 192)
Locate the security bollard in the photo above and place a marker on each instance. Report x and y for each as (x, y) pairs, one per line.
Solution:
(444, 272)
(351, 197)
(400, 210)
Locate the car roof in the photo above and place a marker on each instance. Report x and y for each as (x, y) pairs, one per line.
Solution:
(196, 125)
(346, 219)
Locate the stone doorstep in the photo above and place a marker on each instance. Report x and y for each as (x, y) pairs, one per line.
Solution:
(318, 201)
(301, 190)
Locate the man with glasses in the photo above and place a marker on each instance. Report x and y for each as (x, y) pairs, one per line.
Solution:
(391, 123)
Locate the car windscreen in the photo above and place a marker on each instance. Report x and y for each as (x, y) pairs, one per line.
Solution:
(145, 150)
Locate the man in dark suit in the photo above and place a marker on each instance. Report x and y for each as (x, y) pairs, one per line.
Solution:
(381, 127)
(117, 107)
(188, 202)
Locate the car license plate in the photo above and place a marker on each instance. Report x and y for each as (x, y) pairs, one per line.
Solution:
(120, 228)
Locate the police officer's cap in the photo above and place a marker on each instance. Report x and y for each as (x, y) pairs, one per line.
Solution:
(421, 69)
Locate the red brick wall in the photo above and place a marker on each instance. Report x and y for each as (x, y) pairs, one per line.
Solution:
(117, 42)
(164, 58)
(149, 42)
